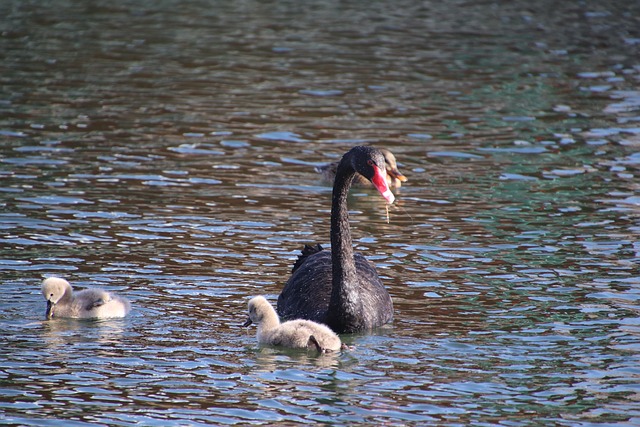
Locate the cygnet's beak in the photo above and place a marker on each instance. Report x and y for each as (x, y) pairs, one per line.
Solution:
(49, 313)
(395, 173)
(247, 323)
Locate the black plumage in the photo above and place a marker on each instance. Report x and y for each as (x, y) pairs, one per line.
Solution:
(339, 288)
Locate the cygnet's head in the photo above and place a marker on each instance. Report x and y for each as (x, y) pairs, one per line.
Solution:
(257, 309)
(53, 289)
(391, 165)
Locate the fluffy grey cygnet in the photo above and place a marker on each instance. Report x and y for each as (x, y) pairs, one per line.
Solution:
(85, 304)
(294, 333)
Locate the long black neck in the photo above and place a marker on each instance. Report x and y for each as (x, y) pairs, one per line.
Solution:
(344, 277)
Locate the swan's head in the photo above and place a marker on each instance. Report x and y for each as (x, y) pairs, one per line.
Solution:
(392, 166)
(370, 163)
(258, 306)
(53, 289)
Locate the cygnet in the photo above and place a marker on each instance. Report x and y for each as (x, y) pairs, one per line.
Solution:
(85, 304)
(294, 333)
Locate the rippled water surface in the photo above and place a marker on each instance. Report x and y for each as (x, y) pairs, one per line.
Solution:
(166, 150)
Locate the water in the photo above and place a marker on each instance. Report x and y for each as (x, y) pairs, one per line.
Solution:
(165, 151)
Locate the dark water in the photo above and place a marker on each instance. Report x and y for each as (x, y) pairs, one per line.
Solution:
(165, 150)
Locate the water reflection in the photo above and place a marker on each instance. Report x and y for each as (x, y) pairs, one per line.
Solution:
(167, 154)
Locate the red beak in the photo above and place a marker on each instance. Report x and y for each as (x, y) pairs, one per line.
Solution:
(380, 182)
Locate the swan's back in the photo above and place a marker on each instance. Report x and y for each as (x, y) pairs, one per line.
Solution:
(307, 293)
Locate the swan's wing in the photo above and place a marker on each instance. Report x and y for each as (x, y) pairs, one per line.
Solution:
(95, 303)
(306, 252)
(93, 298)
(377, 306)
(367, 273)
(306, 294)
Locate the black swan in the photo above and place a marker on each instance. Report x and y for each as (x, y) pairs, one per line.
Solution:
(339, 288)
(395, 178)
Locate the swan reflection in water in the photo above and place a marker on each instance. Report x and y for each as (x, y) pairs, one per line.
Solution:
(103, 336)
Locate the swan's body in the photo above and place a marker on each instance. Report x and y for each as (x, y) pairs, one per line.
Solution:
(339, 288)
(292, 334)
(394, 177)
(85, 304)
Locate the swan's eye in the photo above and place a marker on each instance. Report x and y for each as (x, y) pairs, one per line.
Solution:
(370, 162)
